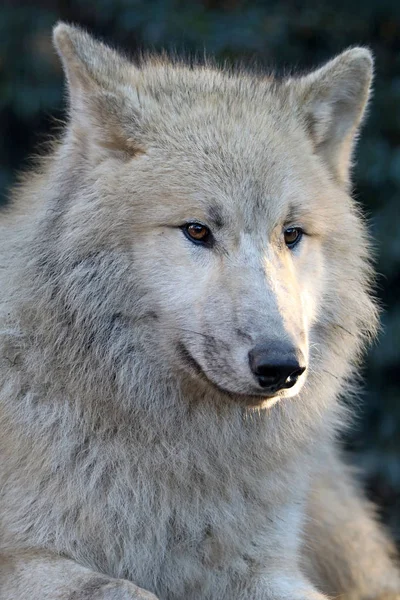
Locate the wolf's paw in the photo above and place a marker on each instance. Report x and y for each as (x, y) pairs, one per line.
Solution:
(118, 589)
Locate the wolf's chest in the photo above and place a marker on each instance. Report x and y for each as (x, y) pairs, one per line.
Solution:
(175, 544)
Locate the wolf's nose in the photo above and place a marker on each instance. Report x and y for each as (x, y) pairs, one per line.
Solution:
(276, 366)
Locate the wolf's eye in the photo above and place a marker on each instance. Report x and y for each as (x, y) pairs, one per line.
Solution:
(197, 233)
(292, 236)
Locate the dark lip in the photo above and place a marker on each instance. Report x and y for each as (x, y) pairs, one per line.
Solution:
(254, 399)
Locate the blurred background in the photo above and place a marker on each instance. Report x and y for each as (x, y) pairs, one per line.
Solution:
(276, 33)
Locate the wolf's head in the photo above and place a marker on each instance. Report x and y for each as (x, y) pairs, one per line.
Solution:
(200, 218)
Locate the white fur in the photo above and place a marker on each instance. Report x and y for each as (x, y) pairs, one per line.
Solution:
(114, 452)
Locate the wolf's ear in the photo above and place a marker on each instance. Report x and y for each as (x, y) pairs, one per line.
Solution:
(104, 103)
(87, 62)
(332, 100)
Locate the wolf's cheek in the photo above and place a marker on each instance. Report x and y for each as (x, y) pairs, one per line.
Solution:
(311, 281)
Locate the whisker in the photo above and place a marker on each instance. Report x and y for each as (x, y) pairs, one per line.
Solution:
(329, 373)
(338, 326)
(206, 335)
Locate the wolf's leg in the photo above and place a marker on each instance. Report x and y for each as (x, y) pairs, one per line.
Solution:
(31, 575)
(346, 552)
(283, 585)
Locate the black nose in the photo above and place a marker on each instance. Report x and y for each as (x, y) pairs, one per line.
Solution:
(276, 366)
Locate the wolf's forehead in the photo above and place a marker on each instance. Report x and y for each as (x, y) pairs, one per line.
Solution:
(236, 143)
(241, 175)
(210, 97)
(240, 200)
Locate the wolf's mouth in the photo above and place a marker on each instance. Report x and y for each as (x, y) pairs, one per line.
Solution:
(192, 364)
(189, 361)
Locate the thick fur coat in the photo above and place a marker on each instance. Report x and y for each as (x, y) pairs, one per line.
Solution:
(140, 456)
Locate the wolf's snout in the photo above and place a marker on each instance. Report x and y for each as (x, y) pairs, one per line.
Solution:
(276, 366)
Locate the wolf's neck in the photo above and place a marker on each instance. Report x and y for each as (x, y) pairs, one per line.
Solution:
(169, 436)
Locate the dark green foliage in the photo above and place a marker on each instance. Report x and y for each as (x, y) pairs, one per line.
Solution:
(278, 34)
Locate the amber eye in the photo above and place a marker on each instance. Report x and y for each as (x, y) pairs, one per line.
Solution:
(197, 233)
(292, 236)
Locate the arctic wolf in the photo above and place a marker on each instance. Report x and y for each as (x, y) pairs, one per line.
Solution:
(185, 292)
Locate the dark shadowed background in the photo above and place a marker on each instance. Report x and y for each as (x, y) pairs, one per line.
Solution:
(282, 34)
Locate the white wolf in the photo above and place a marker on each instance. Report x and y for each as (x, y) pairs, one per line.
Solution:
(184, 294)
